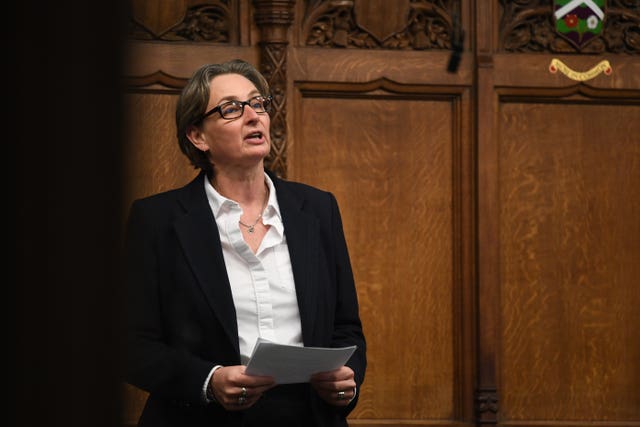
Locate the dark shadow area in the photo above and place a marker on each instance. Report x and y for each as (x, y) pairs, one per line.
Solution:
(63, 168)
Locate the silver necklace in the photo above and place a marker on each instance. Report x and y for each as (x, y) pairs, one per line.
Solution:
(251, 228)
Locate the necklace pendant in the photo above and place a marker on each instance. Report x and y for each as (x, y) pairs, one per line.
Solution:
(251, 229)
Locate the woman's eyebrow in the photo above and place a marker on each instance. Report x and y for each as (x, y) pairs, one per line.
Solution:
(236, 98)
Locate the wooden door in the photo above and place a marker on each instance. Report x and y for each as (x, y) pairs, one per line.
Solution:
(494, 246)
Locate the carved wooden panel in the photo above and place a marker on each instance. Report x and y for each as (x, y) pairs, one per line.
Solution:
(556, 229)
(379, 24)
(185, 20)
(569, 250)
(528, 26)
(274, 20)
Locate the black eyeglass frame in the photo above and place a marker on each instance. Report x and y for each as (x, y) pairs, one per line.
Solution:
(266, 102)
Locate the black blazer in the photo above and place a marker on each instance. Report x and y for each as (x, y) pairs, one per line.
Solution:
(182, 319)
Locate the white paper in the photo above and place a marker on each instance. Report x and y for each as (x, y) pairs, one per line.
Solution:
(289, 364)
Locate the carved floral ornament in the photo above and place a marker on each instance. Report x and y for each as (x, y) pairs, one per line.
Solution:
(407, 24)
(370, 24)
(570, 26)
(181, 20)
(487, 402)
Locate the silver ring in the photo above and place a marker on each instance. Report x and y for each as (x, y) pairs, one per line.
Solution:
(244, 392)
(340, 395)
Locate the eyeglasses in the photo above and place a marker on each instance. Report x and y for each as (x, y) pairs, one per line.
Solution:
(234, 109)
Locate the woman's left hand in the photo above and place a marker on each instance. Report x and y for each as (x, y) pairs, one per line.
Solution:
(335, 387)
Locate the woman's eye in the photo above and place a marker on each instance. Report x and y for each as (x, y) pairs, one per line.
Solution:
(230, 109)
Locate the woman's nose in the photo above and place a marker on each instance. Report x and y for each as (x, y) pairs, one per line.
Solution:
(250, 113)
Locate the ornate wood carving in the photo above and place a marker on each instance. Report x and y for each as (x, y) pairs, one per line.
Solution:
(487, 406)
(274, 17)
(212, 21)
(528, 26)
(335, 23)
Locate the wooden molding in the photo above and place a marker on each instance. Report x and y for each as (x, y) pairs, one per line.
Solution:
(158, 78)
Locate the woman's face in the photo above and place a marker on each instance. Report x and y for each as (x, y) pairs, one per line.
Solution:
(242, 142)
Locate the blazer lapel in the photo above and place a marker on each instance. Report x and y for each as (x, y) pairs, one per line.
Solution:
(199, 237)
(302, 239)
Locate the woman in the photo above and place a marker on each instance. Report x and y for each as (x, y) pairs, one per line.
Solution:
(235, 255)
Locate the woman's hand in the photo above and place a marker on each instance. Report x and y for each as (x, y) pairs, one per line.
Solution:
(335, 387)
(235, 390)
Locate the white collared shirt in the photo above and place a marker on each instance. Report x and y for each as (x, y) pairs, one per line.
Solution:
(262, 284)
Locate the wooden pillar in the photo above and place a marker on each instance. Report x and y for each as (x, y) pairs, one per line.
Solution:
(487, 403)
(273, 18)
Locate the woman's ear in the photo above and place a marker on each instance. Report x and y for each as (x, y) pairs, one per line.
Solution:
(195, 135)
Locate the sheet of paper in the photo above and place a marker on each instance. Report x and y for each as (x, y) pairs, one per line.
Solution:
(291, 364)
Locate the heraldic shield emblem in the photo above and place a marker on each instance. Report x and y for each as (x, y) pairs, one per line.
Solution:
(579, 21)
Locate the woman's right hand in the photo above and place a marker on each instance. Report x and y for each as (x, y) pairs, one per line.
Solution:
(235, 390)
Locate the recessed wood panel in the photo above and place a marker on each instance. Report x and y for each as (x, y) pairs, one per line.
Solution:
(389, 163)
(153, 160)
(569, 178)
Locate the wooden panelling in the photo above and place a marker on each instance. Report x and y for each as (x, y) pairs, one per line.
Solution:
(154, 161)
(192, 21)
(393, 184)
(399, 207)
(178, 60)
(529, 71)
(401, 67)
(491, 213)
(558, 235)
(569, 251)
(133, 401)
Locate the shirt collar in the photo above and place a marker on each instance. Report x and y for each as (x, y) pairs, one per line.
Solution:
(273, 208)
(220, 204)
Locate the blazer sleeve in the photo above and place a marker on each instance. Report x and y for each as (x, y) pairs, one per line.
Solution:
(347, 326)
